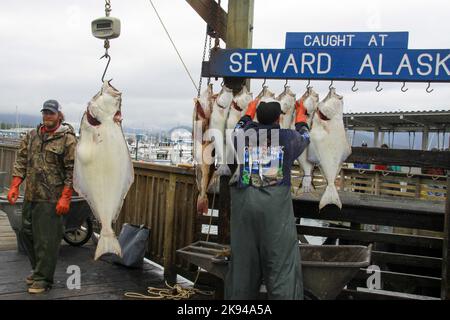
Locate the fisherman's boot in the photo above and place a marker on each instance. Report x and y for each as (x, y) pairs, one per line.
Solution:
(29, 279)
(39, 287)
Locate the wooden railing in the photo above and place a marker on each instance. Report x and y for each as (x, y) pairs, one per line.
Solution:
(163, 198)
(376, 182)
(7, 158)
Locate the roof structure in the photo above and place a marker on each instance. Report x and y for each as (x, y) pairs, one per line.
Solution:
(406, 121)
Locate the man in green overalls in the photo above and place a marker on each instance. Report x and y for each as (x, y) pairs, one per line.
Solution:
(264, 244)
(45, 161)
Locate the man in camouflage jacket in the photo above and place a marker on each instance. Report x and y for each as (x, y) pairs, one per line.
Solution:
(45, 161)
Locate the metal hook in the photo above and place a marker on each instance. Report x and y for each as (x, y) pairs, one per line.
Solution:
(106, 55)
(286, 84)
(331, 85)
(264, 82)
(403, 87)
(308, 85)
(378, 89)
(428, 88)
(354, 89)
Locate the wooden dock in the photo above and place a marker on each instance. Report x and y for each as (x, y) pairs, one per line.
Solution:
(100, 279)
(7, 235)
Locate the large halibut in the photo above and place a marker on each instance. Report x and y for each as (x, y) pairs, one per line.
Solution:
(103, 171)
(329, 143)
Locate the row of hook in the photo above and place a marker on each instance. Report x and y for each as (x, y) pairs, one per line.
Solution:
(354, 89)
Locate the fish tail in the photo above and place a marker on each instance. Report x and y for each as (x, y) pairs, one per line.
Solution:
(108, 243)
(202, 204)
(330, 196)
(223, 170)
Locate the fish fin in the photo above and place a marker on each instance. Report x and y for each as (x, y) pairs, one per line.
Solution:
(330, 196)
(108, 243)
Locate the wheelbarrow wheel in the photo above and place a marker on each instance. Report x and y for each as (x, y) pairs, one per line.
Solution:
(79, 236)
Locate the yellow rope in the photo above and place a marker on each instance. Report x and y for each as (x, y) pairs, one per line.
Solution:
(175, 292)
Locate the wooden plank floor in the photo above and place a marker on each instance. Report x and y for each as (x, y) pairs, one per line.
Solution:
(99, 279)
(7, 235)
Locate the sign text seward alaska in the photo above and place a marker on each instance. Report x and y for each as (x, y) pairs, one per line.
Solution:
(336, 56)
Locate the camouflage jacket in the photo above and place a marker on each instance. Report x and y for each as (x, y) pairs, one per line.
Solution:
(46, 163)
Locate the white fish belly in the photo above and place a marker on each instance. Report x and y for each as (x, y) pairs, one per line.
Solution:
(103, 170)
(330, 145)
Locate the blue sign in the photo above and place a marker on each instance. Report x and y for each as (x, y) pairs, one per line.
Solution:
(332, 64)
(346, 40)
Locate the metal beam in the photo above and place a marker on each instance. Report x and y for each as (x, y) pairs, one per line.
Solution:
(402, 117)
(213, 15)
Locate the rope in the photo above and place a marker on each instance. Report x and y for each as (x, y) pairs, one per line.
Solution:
(174, 46)
(176, 292)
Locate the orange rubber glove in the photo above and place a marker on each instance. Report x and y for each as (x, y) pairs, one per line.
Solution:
(251, 109)
(63, 205)
(13, 193)
(300, 112)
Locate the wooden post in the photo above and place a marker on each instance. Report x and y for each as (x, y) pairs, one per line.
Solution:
(445, 286)
(169, 274)
(382, 137)
(240, 24)
(376, 136)
(239, 35)
(377, 183)
(425, 138)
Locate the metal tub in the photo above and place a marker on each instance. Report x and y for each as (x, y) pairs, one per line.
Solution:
(326, 269)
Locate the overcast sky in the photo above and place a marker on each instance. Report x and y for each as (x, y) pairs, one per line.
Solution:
(48, 52)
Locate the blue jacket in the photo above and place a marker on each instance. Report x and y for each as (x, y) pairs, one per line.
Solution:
(274, 157)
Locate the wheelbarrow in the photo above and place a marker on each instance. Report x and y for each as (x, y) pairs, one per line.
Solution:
(78, 223)
(327, 269)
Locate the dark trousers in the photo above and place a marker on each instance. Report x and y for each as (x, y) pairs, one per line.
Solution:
(264, 245)
(41, 234)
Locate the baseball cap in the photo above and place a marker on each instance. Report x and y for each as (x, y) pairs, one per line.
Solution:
(51, 105)
(268, 112)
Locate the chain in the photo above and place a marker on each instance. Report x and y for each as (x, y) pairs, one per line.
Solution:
(203, 59)
(106, 46)
(210, 32)
(106, 43)
(209, 56)
(107, 7)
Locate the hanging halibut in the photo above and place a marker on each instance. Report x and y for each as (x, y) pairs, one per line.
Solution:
(217, 124)
(287, 102)
(237, 111)
(103, 171)
(329, 143)
(204, 164)
(310, 100)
